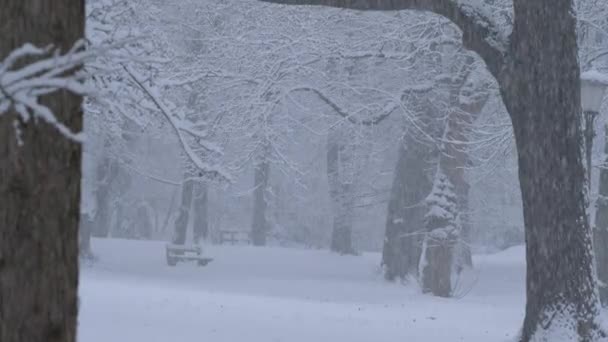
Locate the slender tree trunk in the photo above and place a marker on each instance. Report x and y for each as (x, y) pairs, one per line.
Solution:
(259, 227)
(201, 224)
(118, 228)
(339, 157)
(406, 210)
(84, 236)
(103, 213)
(121, 205)
(600, 231)
(169, 212)
(542, 94)
(589, 122)
(142, 223)
(40, 190)
(183, 217)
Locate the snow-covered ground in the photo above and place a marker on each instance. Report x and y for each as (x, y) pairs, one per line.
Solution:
(275, 294)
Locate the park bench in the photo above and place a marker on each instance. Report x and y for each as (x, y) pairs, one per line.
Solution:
(234, 236)
(176, 253)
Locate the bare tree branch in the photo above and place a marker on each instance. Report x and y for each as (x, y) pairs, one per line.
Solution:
(178, 127)
(479, 33)
(343, 113)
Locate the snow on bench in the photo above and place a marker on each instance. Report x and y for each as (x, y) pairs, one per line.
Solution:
(176, 253)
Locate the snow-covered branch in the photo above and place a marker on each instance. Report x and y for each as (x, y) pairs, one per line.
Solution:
(180, 128)
(22, 86)
(479, 33)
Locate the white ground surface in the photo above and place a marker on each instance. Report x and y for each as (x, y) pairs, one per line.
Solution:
(275, 294)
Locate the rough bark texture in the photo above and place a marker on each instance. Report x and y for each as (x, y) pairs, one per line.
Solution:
(183, 217)
(405, 218)
(201, 224)
(40, 190)
(339, 157)
(541, 90)
(259, 226)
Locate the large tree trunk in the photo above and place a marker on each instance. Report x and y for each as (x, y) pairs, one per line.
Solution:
(259, 225)
(405, 218)
(183, 217)
(40, 190)
(541, 89)
(339, 157)
(412, 183)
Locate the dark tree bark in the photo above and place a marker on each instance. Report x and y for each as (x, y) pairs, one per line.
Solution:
(405, 218)
(412, 182)
(40, 189)
(542, 95)
(339, 156)
(183, 217)
(201, 220)
(539, 78)
(436, 275)
(259, 225)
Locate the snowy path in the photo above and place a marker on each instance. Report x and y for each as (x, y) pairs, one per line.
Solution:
(275, 294)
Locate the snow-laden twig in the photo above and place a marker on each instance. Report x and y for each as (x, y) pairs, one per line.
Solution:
(180, 128)
(22, 86)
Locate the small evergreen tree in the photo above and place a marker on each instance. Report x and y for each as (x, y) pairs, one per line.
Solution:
(441, 221)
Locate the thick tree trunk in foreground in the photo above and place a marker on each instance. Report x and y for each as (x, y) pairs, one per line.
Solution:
(542, 93)
(183, 217)
(40, 190)
(406, 210)
(259, 226)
